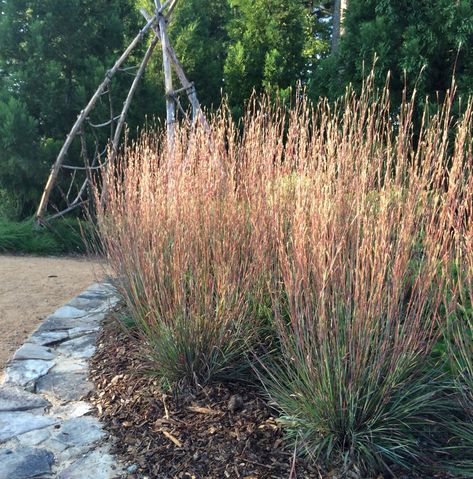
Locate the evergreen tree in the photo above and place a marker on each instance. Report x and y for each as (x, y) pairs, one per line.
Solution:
(19, 150)
(53, 55)
(428, 40)
(199, 34)
(267, 49)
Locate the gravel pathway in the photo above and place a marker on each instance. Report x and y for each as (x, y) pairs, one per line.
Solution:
(45, 429)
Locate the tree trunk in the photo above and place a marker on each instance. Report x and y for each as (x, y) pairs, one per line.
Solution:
(338, 13)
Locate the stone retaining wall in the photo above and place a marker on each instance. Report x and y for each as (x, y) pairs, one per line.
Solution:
(45, 431)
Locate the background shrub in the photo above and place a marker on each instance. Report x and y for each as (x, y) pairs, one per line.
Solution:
(65, 236)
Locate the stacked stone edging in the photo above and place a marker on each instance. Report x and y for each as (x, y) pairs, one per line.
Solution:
(45, 430)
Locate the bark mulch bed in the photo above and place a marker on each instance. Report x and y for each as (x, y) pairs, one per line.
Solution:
(224, 431)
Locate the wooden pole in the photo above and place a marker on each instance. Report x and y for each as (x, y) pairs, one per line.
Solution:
(170, 9)
(126, 106)
(81, 118)
(129, 98)
(170, 106)
(186, 84)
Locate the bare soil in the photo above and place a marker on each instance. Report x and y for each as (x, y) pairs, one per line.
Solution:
(32, 287)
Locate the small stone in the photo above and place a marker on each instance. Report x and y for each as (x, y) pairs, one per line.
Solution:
(56, 323)
(13, 398)
(65, 364)
(69, 312)
(83, 330)
(26, 372)
(67, 386)
(34, 351)
(101, 288)
(88, 304)
(131, 469)
(235, 403)
(71, 410)
(113, 301)
(13, 424)
(79, 432)
(25, 462)
(92, 296)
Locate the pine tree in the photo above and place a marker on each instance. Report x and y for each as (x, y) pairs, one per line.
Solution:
(198, 31)
(427, 41)
(53, 54)
(267, 47)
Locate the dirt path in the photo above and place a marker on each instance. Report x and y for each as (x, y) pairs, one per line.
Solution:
(31, 288)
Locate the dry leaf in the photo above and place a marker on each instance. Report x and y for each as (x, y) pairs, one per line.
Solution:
(202, 410)
(175, 440)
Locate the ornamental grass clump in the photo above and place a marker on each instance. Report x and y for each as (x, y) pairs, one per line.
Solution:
(458, 325)
(178, 234)
(360, 260)
(311, 243)
(460, 321)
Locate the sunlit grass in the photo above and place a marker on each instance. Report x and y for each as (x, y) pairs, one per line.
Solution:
(315, 240)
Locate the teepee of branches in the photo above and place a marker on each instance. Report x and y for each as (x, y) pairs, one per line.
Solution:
(80, 177)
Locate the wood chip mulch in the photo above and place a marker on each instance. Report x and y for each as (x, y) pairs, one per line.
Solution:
(223, 431)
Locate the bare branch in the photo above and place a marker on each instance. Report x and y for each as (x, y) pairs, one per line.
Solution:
(83, 115)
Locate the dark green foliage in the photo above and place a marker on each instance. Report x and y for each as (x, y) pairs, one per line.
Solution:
(22, 237)
(19, 148)
(429, 41)
(53, 56)
(267, 48)
(200, 38)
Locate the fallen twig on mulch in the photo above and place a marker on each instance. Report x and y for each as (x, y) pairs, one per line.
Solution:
(224, 431)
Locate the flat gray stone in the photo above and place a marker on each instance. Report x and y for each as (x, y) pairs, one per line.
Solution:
(58, 448)
(47, 338)
(93, 296)
(13, 424)
(26, 372)
(81, 347)
(69, 312)
(79, 432)
(71, 410)
(98, 464)
(89, 303)
(34, 438)
(25, 463)
(101, 288)
(34, 351)
(56, 323)
(83, 330)
(66, 364)
(13, 398)
(66, 386)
